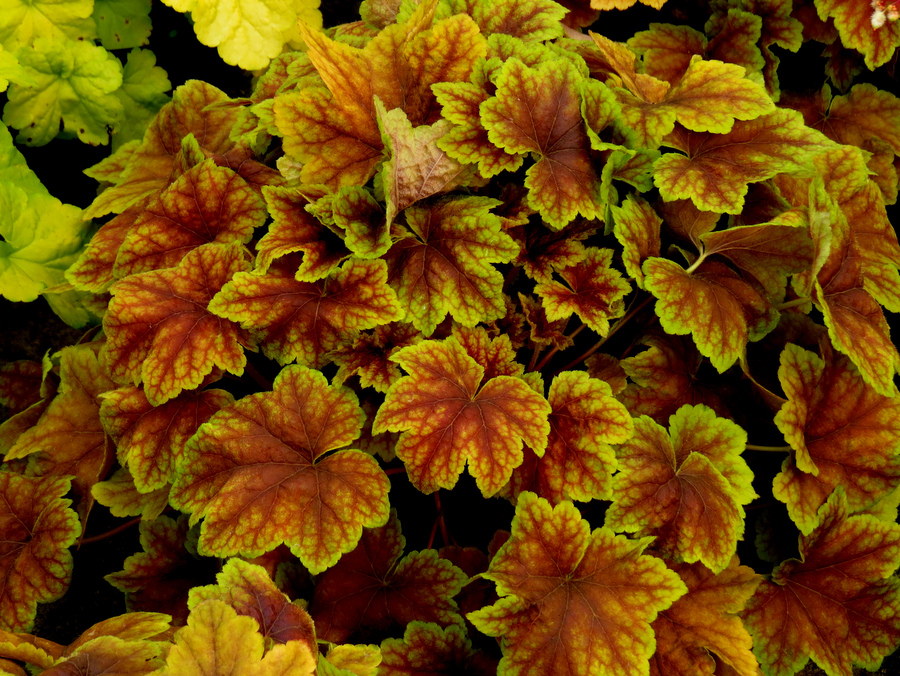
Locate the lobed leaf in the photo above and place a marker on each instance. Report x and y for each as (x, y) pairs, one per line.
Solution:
(687, 487)
(287, 486)
(160, 332)
(450, 416)
(843, 434)
(573, 601)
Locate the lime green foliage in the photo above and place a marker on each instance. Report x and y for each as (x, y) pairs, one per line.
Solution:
(41, 236)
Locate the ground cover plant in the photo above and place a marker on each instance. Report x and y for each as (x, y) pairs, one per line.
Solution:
(472, 336)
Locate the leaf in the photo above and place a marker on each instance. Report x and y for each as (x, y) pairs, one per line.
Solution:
(706, 620)
(637, 230)
(843, 434)
(216, 640)
(532, 20)
(143, 91)
(543, 251)
(111, 655)
(122, 24)
(304, 321)
(717, 168)
(35, 563)
(363, 219)
(579, 461)
(836, 603)
(247, 33)
(206, 204)
(20, 384)
(369, 356)
(593, 290)
(61, 21)
(416, 168)
(333, 130)
(374, 588)
(160, 332)
(426, 648)
(573, 601)
(119, 493)
(854, 24)
(442, 263)
(664, 377)
(450, 416)
(39, 239)
(68, 438)
(72, 81)
(855, 320)
(251, 592)
(150, 440)
(687, 486)
(158, 159)
(538, 110)
(159, 577)
(294, 229)
(283, 487)
(714, 305)
(350, 660)
(27, 648)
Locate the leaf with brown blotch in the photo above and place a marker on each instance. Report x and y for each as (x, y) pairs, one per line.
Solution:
(296, 484)
(837, 603)
(248, 589)
(450, 416)
(304, 321)
(574, 601)
(374, 588)
(333, 129)
(687, 486)
(416, 167)
(37, 528)
(706, 620)
(843, 433)
(160, 332)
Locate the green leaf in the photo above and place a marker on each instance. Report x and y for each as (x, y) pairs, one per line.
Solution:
(58, 20)
(142, 94)
(122, 23)
(72, 81)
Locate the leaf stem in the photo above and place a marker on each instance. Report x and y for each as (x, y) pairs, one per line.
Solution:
(596, 346)
(111, 532)
(793, 303)
(770, 449)
(549, 355)
(441, 521)
(395, 470)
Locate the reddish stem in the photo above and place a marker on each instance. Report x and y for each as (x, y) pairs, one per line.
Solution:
(111, 532)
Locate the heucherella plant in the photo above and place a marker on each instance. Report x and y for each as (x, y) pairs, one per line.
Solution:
(595, 321)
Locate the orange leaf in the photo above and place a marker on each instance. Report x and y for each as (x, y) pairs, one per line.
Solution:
(837, 603)
(574, 601)
(287, 487)
(843, 434)
(160, 332)
(37, 528)
(373, 589)
(451, 416)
